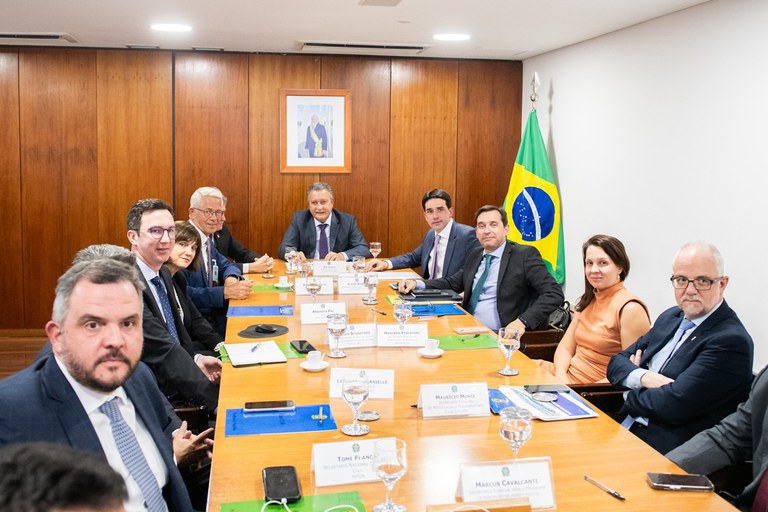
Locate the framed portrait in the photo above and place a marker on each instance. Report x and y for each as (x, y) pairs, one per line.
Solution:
(315, 131)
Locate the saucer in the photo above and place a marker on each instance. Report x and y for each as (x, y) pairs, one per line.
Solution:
(430, 354)
(314, 367)
(286, 286)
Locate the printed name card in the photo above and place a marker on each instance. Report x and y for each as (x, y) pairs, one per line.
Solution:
(353, 283)
(356, 335)
(344, 462)
(381, 382)
(330, 268)
(317, 312)
(411, 335)
(454, 400)
(326, 286)
(522, 478)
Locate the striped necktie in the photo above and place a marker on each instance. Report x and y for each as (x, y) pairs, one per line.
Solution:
(165, 304)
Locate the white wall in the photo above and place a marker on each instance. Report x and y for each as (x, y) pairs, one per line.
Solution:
(658, 135)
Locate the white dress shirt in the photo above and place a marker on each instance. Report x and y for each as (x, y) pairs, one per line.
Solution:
(442, 248)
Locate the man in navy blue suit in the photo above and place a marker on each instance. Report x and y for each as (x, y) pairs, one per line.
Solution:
(93, 393)
(695, 364)
(445, 246)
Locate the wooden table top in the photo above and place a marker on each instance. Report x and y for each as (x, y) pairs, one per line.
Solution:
(598, 447)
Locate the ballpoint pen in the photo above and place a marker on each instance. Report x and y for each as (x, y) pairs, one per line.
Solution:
(604, 488)
(255, 347)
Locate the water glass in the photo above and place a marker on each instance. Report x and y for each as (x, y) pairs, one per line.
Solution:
(337, 325)
(375, 248)
(403, 313)
(390, 463)
(508, 344)
(515, 426)
(313, 286)
(371, 282)
(291, 257)
(358, 264)
(354, 391)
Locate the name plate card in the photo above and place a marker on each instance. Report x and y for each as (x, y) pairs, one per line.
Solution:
(326, 286)
(317, 313)
(356, 335)
(353, 284)
(381, 382)
(411, 335)
(529, 478)
(454, 400)
(345, 462)
(330, 268)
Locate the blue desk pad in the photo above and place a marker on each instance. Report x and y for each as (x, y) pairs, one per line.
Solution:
(260, 311)
(240, 423)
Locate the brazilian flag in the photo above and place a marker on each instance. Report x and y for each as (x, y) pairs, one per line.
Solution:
(533, 203)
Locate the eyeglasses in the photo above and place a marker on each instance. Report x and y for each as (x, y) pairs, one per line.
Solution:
(700, 283)
(208, 213)
(157, 232)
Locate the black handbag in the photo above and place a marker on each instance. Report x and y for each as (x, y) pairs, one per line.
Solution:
(560, 318)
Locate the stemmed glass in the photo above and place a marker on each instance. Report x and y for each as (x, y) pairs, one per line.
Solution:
(358, 264)
(290, 258)
(313, 286)
(390, 464)
(354, 390)
(371, 282)
(268, 274)
(305, 267)
(403, 313)
(337, 325)
(515, 426)
(508, 344)
(375, 248)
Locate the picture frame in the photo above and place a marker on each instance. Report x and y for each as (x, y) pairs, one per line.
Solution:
(315, 131)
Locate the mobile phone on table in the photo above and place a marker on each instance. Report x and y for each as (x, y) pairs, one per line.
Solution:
(302, 346)
(271, 405)
(281, 482)
(672, 482)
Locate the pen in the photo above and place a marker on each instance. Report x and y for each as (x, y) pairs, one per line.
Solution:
(377, 311)
(604, 488)
(255, 347)
(321, 414)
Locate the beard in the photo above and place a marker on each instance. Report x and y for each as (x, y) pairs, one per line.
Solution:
(87, 375)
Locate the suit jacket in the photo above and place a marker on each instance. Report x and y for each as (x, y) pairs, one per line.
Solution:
(206, 298)
(173, 363)
(230, 247)
(461, 242)
(345, 236)
(525, 289)
(39, 404)
(712, 370)
(739, 437)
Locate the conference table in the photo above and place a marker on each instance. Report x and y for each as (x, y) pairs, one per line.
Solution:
(598, 447)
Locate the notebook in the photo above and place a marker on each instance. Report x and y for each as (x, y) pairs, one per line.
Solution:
(248, 354)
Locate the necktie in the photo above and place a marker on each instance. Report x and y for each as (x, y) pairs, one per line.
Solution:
(684, 326)
(478, 288)
(209, 265)
(165, 304)
(761, 496)
(322, 248)
(133, 457)
(433, 270)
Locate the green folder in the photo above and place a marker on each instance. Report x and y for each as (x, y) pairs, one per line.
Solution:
(314, 503)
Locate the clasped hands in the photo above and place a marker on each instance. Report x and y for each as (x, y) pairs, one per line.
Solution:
(235, 288)
(331, 256)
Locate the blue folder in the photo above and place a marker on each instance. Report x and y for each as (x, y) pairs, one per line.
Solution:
(303, 419)
(436, 310)
(260, 311)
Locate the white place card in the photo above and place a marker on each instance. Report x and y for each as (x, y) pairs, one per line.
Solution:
(317, 312)
(522, 478)
(381, 382)
(357, 335)
(326, 286)
(345, 462)
(352, 283)
(330, 268)
(454, 400)
(411, 335)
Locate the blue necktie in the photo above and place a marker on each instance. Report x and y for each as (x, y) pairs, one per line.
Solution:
(322, 248)
(165, 304)
(133, 457)
(478, 288)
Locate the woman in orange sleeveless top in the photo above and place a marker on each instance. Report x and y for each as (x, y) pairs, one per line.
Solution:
(608, 317)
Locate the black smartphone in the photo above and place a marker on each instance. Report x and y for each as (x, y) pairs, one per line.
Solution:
(272, 405)
(281, 482)
(671, 482)
(302, 346)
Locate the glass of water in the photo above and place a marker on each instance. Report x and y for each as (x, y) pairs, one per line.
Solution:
(390, 463)
(508, 344)
(305, 268)
(291, 257)
(515, 426)
(354, 390)
(371, 282)
(375, 248)
(358, 263)
(337, 325)
(403, 313)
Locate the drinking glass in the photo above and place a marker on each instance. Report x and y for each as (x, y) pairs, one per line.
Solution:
(313, 286)
(290, 259)
(375, 248)
(268, 274)
(371, 282)
(358, 264)
(515, 426)
(508, 344)
(305, 267)
(403, 313)
(337, 325)
(390, 464)
(354, 390)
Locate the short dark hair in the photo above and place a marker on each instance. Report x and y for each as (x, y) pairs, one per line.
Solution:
(141, 207)
(492, 208)
(38, 477)
(436, 193)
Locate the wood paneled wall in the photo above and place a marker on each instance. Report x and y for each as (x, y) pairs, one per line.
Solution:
(88, 132)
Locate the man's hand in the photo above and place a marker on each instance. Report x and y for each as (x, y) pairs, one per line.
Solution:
(261, 265)
(376, 266)
(515, 329)
(190, 449)
(301, 256)
(406, 285)
(636, 357)
(655, 380)
(334, 256)
(210, 366)
(235, 289)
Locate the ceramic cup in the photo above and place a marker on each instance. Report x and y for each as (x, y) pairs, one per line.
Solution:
(314, 357)
(431, 345)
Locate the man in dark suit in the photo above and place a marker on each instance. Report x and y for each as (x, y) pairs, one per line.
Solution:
(185, 368)
(695, 364)
(317, 139)
(93, 393)
(505, 284)
(320, 232)
(445, 246)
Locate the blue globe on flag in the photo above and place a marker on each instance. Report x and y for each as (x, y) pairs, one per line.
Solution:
(533, 214)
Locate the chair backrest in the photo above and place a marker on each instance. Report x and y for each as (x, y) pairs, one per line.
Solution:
(541, 344)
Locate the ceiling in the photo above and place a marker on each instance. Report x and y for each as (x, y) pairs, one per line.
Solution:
(499, 29)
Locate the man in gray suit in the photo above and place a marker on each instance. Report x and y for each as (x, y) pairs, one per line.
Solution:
(445, 246)
(322, 233)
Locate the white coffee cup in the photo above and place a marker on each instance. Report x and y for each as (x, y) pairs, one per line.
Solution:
(283, 280)
(314, 357)
(431, 345)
